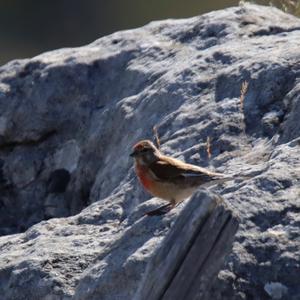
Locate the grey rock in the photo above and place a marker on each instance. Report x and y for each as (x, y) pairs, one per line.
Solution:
(276, 290)
(68, 119)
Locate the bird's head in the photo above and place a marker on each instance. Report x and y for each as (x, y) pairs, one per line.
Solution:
(145, 152)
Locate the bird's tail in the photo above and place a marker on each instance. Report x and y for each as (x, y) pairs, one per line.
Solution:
(224, 178)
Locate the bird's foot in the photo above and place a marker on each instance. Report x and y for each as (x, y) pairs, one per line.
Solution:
(161, 210)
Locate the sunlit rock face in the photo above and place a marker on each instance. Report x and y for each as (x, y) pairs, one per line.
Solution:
(68, 120)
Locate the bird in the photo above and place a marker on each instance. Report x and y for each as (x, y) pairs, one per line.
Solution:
(169, 178)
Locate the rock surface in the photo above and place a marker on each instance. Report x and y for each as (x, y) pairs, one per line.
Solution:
(68, 119)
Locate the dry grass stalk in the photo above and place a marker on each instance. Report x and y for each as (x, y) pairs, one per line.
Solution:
(289, 6)
(244, 90)
(208, 147)
(156, 137)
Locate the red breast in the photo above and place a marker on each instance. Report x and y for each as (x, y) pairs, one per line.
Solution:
(143, 176)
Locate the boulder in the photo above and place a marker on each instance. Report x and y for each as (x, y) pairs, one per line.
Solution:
(71, 215)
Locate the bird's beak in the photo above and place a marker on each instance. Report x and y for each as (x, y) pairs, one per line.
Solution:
(133, 154)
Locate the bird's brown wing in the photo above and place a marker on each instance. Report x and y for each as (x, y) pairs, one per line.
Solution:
(167, 168)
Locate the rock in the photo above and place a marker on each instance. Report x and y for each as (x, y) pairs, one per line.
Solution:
(69, 118)
(276, 290)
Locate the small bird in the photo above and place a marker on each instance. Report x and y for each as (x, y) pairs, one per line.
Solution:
(168, 178)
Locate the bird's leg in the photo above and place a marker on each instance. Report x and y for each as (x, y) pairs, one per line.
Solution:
(161, 210)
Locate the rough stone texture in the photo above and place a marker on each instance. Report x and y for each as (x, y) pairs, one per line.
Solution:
(68, 120)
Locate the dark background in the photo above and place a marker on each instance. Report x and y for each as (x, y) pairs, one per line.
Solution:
(29, 27)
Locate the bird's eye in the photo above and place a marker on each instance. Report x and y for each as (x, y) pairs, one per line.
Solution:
(145, 150)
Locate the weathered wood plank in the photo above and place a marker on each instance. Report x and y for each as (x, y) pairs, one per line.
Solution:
(179, 268)
(214, 262)
(205, 257)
